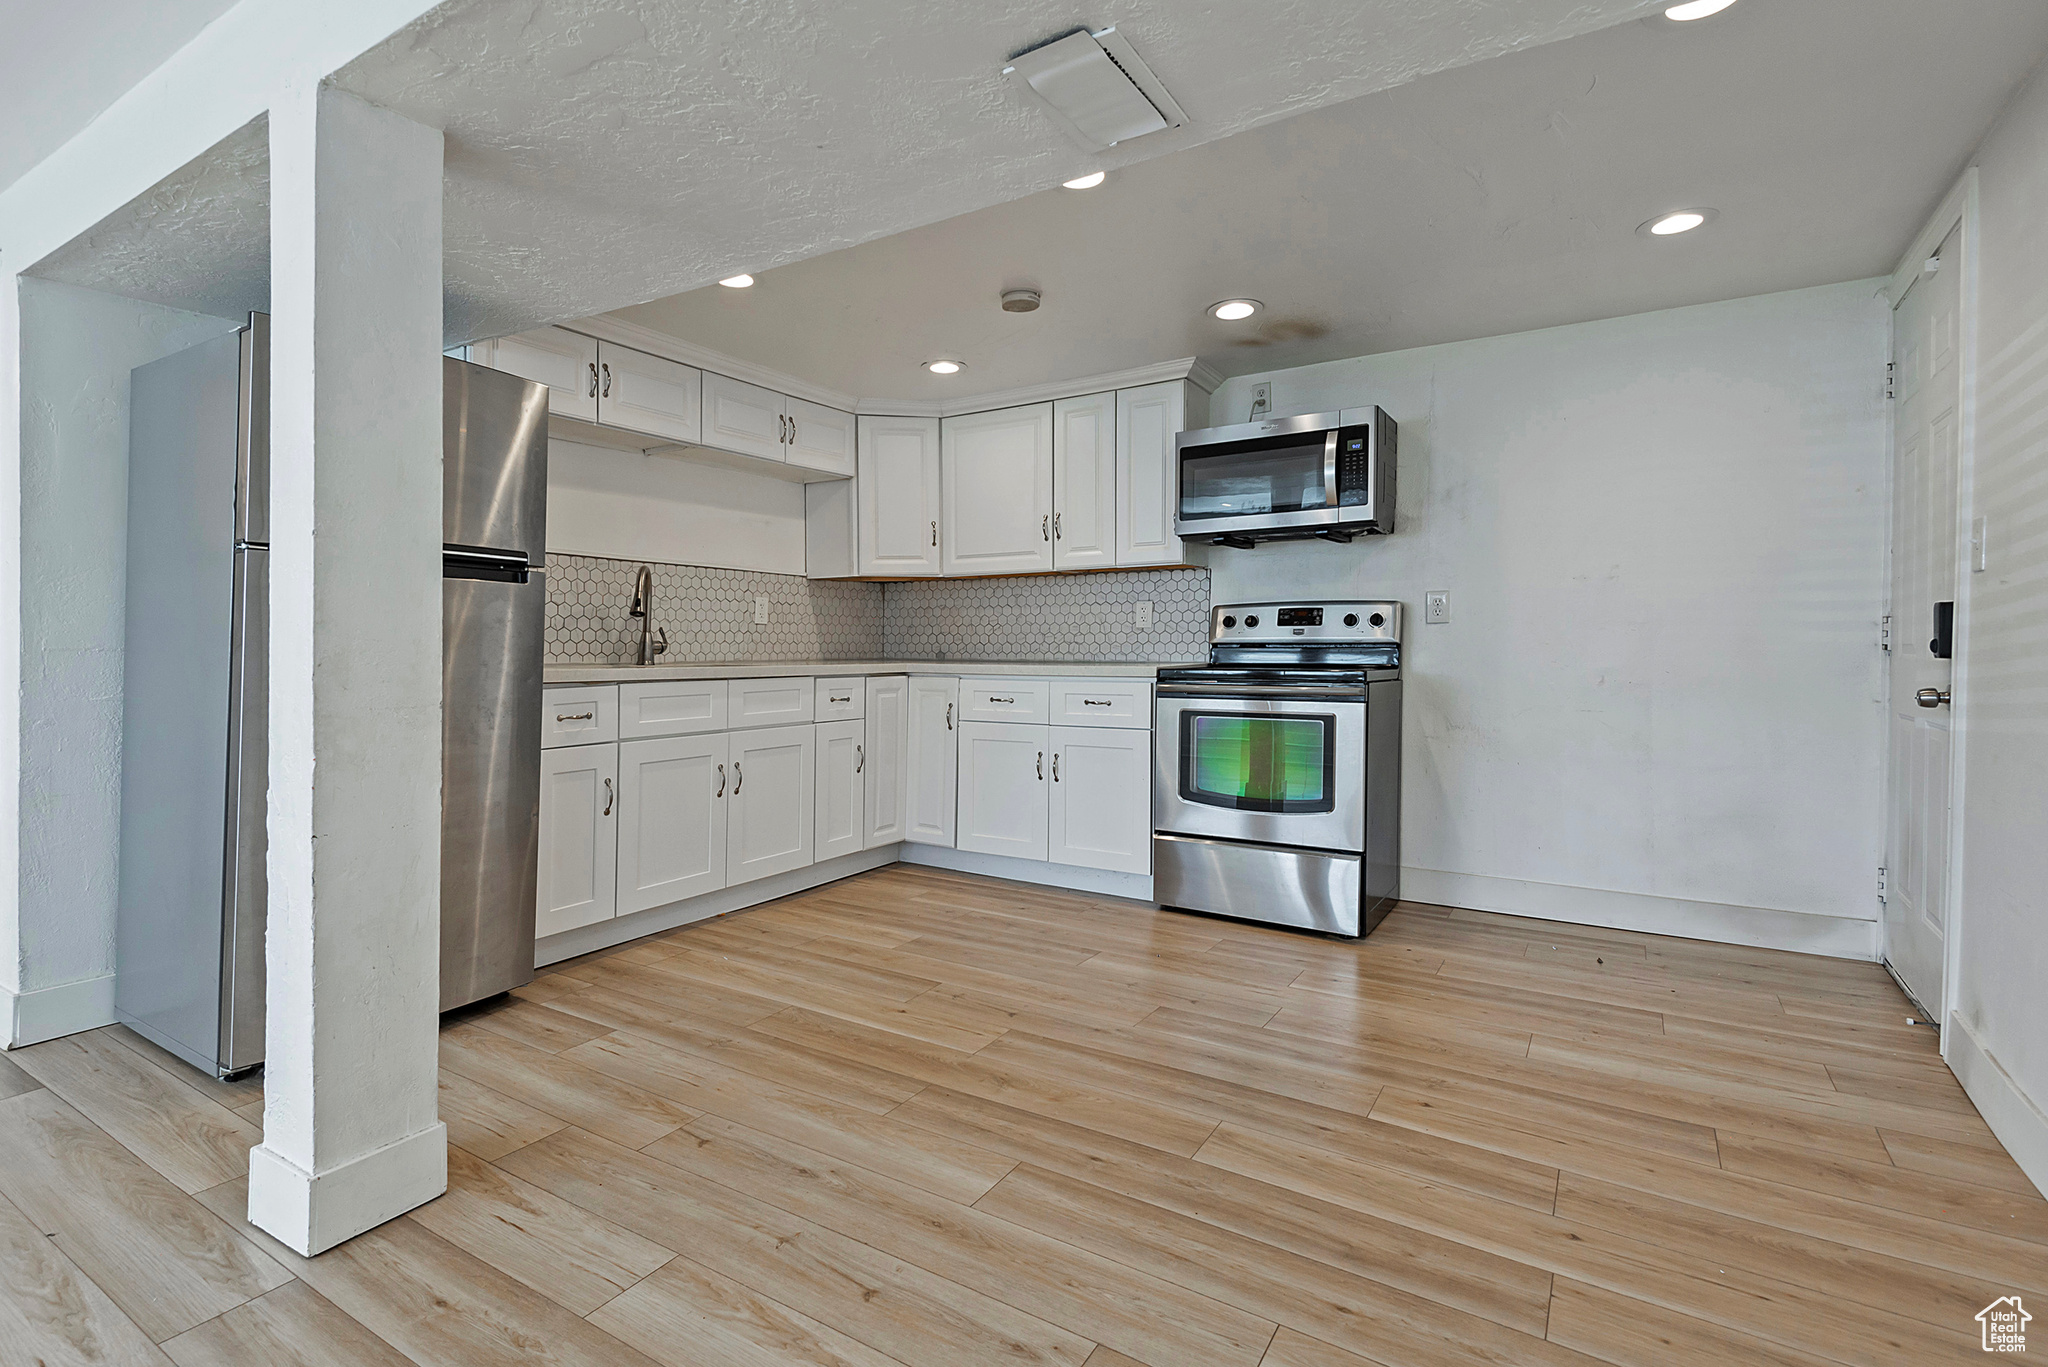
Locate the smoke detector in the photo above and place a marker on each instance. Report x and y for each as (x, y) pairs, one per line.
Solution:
(1020, 301)
(1097, 88)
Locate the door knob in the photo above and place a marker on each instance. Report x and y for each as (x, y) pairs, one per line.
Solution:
(1932, 697)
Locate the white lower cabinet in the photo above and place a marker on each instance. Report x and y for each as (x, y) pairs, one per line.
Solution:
(1101, 798)
(841, 824)
(770, 811)
(578, 836)
(931, 766)
(671, 820)
(1003, 788)
(888, 752)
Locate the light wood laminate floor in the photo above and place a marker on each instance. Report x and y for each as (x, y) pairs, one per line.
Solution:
(920, 1118)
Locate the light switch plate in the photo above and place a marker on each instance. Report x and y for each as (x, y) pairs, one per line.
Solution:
(1436, 606)
(760, 612)
(1145, 615)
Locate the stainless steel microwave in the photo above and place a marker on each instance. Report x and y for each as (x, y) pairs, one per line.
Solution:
(1328, 475)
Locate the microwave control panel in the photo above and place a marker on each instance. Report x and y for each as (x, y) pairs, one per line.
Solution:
(1354, 466)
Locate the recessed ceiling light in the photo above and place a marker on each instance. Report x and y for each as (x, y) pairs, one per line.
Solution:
(945, 367)
(1230, 310)
(1676, 222)
(1087, 182)
(737, 282)
(1696, 9)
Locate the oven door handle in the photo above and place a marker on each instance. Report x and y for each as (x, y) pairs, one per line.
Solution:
(1181, 690)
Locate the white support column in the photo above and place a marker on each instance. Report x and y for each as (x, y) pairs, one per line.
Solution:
(10, 650)
(351, 1132)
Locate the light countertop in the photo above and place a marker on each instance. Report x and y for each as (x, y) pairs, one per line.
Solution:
(771, 669)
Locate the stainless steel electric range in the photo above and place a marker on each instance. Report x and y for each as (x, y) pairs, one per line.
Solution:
(1277, 768)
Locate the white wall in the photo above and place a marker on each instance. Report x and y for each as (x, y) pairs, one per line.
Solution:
(630, 506)
(1658, 700)
(78, 347)
(2001, 1049)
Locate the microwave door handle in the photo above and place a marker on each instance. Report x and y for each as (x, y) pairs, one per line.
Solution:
(1330, 468)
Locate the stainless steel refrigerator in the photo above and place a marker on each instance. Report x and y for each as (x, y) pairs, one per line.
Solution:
(194, 757)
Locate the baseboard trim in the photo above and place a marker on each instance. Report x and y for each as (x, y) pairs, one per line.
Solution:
(310, 1213)
(1839, 937)
(1105, 882)
(604, 934)
(2012, 1115)
(65, 1009)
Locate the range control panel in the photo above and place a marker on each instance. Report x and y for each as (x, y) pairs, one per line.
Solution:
(1305, 623)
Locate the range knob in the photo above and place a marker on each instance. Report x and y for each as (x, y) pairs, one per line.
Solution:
(1229, 621)
(1251, 621)
(1377, 620)
(1350, 619)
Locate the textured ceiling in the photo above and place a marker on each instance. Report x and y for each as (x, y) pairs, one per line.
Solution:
(1494, 198)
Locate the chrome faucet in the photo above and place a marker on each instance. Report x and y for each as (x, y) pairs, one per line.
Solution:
(643, 608)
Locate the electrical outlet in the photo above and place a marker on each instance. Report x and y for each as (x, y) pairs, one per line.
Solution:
(760, 612)
(1262, 398)
(1145, 615)
(1436, 606)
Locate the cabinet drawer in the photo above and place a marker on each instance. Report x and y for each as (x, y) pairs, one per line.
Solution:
(579, 716)
(674, 708)
(1015, 700)
(841, 699)
(771, 702)
(1122, 703)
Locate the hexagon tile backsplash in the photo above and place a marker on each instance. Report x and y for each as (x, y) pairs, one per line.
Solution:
(709, 616)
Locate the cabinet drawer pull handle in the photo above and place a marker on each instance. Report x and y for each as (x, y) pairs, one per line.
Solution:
(607, 797)
(829, 698)
(1055, 766)
(1090, 702)
(575, 716)
(1041, 766)
(607, 380)
(993, 698)
(721, 782)
(860, 758)
(593, 381)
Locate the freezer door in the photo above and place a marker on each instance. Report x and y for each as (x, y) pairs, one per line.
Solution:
(494, 460)
(490, 783)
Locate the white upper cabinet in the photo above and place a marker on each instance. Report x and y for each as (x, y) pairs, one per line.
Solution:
(566, 362)
(1084, 482)
(898, 496)
(818, 438)
(744, 417)
(996, 491)
(648, 394)
(1147, 421)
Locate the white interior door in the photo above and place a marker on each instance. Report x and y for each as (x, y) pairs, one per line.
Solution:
(841, 824)
(1084, 482)
(1005, 772)
(1926, 354)
(932, 768)
(888, 750)
(671, 820)
(1101, 813)
(771, 807)
(579, 788)
(996, 490)
(743, 417)
(898, 495)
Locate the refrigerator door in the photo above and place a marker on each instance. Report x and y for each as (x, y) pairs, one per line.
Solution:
(246, 890)
(494, 460)
(492, 643)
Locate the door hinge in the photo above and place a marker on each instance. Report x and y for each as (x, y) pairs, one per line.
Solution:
(1880, 882)
(1884, 632)
(1891, 375)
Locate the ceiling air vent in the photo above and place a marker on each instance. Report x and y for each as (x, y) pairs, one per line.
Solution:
(1097, 87)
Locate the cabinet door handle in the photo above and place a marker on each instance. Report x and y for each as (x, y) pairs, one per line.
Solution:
(575, 716)
(1041, 766)
(935, 533)
(607, 379)
(949, 716)
(1056, 533)
(593, 381)
(737, 778)
(1045, 527)
(1055, 766)
(721, 782)
(607, 797)
(792, 431)
(860, 758)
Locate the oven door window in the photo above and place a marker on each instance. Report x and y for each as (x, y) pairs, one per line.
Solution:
(1233, 479)
(1259, 764)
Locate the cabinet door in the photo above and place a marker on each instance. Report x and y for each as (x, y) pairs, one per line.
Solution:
(841, 822)
(1147, 421)
(888, 751)
(1101, 808)
(672, 814)
(579, 790)
(996, 491)
(649, 394)
(1084, 482)
(566, 362)
(744, 418)
(1003, 781)
(898, 493)
(932, 760)
(771, 807)
(820, 438)
(831, 529)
